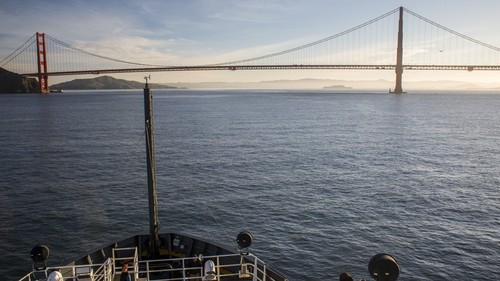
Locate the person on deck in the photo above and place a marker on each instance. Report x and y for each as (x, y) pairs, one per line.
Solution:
(125, 276)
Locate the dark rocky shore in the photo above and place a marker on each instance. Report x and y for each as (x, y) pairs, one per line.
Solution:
(11, 82)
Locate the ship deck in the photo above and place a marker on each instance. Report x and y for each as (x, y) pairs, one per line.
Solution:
(181, 257)
(226, 268)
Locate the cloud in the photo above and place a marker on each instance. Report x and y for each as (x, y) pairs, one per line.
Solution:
(257, 11)
(138, 49)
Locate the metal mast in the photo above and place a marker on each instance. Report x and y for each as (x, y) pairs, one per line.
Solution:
(154, 225)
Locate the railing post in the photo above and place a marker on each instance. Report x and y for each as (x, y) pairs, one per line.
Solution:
(398, 89)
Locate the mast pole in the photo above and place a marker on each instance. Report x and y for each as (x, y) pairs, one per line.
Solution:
(154, 225)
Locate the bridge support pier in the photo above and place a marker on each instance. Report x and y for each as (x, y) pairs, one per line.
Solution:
(41, 50)
(398, 89)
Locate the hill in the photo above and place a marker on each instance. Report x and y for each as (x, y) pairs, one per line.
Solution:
(11, 82)
(104, 83)
(337, 84)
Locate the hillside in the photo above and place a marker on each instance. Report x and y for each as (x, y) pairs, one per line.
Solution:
(14, 83)
(337, 84)
(104, 83)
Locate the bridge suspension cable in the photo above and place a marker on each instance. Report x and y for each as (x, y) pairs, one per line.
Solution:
(315, 43)
(452, 31)
(63, 58)
(22, 58)
(371, 45)
(76, 49)
(429, 45)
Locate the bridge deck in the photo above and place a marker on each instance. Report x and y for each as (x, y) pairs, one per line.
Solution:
(269, 67)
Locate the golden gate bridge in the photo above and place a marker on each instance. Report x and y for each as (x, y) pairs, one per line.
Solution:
(398, 40)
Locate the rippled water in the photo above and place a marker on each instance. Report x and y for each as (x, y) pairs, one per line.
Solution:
(323, 180)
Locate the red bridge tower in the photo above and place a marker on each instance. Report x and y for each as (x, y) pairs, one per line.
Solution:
(41, 51)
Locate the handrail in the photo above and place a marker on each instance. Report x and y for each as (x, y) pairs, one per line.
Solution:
(94, 272)
(134, 258)
(184, 268)
(188, 272)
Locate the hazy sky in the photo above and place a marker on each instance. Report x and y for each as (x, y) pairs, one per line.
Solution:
(202, 31)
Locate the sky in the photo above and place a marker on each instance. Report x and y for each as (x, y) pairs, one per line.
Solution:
(173, 32)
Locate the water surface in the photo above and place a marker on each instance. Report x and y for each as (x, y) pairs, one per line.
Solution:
(324, 180)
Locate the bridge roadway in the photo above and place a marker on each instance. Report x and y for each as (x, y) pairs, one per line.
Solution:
(268, 67)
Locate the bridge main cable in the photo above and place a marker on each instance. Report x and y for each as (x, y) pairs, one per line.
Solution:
(312, 43)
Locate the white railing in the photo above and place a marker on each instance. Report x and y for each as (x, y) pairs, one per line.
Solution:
(176, 269)
(247, 266)
(88, 272)
(124, 258)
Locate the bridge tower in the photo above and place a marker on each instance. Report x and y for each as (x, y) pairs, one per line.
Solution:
(399, 56)
(41, 53)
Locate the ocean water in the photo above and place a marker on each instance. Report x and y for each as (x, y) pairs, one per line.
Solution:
(324, 180)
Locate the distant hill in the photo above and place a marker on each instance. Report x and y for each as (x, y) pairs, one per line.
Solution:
(337, 84)
(104, 83)
(11, 82)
